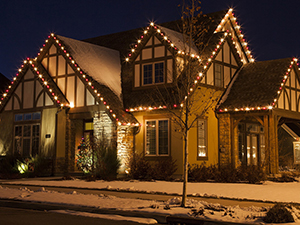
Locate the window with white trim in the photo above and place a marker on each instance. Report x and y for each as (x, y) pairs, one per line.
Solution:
(157, 137)
(153, 73)
(27, 136)
(27, 139)
(202, 139)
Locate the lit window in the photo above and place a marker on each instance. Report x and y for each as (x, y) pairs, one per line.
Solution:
(157, 137)
(153, 73)
(218, 75)
(202, 139)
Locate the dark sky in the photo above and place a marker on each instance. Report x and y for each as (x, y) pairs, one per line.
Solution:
(271, 27)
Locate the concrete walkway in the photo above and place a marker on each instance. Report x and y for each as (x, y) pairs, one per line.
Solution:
(144, 196)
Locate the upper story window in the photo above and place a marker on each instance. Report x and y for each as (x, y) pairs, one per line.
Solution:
(27, 116)
(153, 73)
(218, 75)
(154, 64)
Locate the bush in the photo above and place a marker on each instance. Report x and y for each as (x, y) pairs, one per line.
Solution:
(279, 214)
(201, 173)
(140, 168)
(226, 173)
(252, 174)
(8, 168)
(107, 164)
(164, 169)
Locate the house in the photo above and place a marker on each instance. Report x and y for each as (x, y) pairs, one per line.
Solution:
(121, 88)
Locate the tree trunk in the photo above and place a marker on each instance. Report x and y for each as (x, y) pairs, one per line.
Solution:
(185, 171)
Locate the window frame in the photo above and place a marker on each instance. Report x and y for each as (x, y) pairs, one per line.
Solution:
(205, 138)
(22, 138)
(153, 73)
(221, 78)
(157, 154)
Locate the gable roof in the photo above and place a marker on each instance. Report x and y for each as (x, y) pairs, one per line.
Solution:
(128, 43)
(255, 86)
(4, 82)
(102, 63)
(123, 41)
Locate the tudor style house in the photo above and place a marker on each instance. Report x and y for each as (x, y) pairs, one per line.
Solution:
(124, 87)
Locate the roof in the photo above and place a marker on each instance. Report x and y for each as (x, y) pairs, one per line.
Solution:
(4, 82)
(124, 41)
(255, 85)
(101, 63)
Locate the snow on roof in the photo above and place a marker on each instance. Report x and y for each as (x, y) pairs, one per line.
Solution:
(179, 40)
(101, 63)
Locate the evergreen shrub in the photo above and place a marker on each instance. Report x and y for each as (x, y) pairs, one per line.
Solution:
(142, 169)
(107, 164)
(226, 173)
(279, 214)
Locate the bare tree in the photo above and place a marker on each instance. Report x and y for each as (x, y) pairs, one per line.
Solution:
(190, 99)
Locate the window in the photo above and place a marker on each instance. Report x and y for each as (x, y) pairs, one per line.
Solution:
(28, 116)
(27, 139)
(202, 139)
(153, 73)
(157, 137)
(218, 75)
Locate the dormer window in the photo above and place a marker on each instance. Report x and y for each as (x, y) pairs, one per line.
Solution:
(153, 65)
(153, 73)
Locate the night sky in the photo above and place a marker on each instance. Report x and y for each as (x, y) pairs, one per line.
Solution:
(271, 27)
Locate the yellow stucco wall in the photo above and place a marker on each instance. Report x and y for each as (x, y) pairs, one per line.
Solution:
(177, 145)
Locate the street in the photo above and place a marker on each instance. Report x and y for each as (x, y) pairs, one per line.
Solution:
(17, 216)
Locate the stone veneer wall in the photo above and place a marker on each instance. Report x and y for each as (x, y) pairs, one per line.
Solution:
(104, 128)
(124, 146)
(225, 144)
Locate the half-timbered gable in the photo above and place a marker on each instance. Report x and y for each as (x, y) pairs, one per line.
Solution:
(267, 99)
(289, 98)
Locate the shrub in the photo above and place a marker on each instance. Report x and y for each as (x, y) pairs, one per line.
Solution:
(226, 173)
(8, 166)
(253, 174)
(107, 163)
(279, 214)
(201, 173)
(164, 169)
(140, 168)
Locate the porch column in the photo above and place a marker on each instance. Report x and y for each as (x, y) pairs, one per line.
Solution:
(225, 139)
(273, 145)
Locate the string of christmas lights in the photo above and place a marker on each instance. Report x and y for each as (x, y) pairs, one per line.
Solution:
(207, 62)
(58, 99)
(273, 104)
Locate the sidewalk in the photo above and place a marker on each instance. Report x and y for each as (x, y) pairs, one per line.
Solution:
(144, 196)
(126, 197)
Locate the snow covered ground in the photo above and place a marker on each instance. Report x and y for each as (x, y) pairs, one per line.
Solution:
(269, 191)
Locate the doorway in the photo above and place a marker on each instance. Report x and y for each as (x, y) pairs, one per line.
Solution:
(251, 143)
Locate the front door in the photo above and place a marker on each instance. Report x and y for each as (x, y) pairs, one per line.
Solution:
(251, 144)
